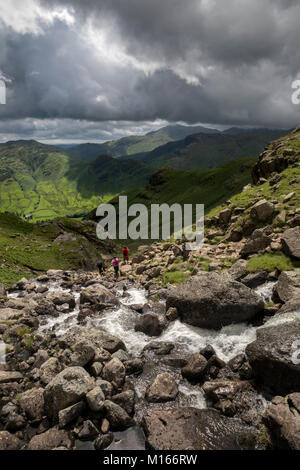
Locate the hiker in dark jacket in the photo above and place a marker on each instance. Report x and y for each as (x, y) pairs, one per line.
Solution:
(101, 267)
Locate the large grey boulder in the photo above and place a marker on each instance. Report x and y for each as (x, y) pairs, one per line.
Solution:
(191, 429)
(258, 241)
(114, 371)
(66, 389)
(118, 418)
(98, 295)
(262, 210)
(290, 241)
(100, 339)
(272, 357)
(163, 388)
(32, 403)
(288, 286)
(149, 324)
(9, 441)
(212, 300)
(51, 439)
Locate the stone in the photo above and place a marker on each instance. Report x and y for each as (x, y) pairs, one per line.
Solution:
(271, 357)
(225, 216)
(238, 269)
(96, 369)
(95, 399)
(10, 376)
(114, 371)
(283, 422)
(98, 295)
(262, 210)
(41, 357)
(70, 414)
(134, 366)
(49, 370)
(117, 416)
(106, 387)
(257, 242)
(99, 338)
(66, 389)
(212, 300)
(103, 441)
(164, 388)
(288, 286)
(83, 353)
(125, 400)
(195, 368)
(88, 431)
(9, 442)
(253, 280)
(172, 314)
(51, 439)
(32, 404)
(150, 325)
(191, 429)
(290, 241)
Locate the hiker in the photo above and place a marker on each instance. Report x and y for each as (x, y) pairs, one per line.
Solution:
(125, 252)
(101, 267)
(115, 263)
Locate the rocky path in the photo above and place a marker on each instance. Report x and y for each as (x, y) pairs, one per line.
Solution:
(91, 363)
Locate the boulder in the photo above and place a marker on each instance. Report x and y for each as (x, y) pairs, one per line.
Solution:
(9, 442)
(88, 432)
(10, 376)
(238, 269)
(191, 429)
(272, 359)
(103, 441)
(258, 241)
(70, 414)
(32, 404)
(95, 399)
(49, 369)
(125, 400)
(262, 210)
(98, 295)
(212, 300)
(163, 388)
(172, 314)
(195, 368)
(290, 241)
(100, 339)
(114, 371)
(117, 416)
(225, 216)
(288, 286)
(253, 280)
(66, 389)
(149, 324)
(83, 353)
(51, 439)
(282, 418)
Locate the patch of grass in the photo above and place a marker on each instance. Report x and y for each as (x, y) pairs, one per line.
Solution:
(23, 331)
(174, 277)
(269, 262)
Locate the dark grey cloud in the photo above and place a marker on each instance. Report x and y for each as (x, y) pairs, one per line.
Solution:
(95, 62)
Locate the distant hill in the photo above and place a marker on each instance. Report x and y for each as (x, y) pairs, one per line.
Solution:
(137, 144)
(207, 151)
(42, 182)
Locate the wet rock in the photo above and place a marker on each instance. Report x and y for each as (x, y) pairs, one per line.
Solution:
(253, 280)
(134, 366)
(121, 355)
(236, 362)
(114, 371)
(66, 389)
(262, 210)
(162, 389)
(103, 441)
(172, 314)
(283, 421)
(51, 439)
(288, 286)
(191, 429)
(271, 357)
(212, 300)
(117, 416)
(60, 298)
(95, 399)
(9, 442)
(291, 242)
(88, 431)
(125, 400)
(83, 353)
(150, 325)
(99, 338)
(195, 368)
(70, 414)
(32, 404)
(208, 352)
(98, 295)
(238, 269)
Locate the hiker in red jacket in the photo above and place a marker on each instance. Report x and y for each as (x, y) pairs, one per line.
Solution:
(125, 252)
(115, 263)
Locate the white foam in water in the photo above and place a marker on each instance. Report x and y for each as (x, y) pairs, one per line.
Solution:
(266, 290)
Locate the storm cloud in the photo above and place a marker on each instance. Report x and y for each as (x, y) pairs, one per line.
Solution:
(97, 70)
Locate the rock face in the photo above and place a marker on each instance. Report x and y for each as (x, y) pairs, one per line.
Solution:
(98, 295)
(214, 300)
(272, 357)
(51, 439)
(66, 389)
(191, 429)
(262, 210)
(257, 242)
(291, 242)
(288, 286)
(162, 389)
(283, 421)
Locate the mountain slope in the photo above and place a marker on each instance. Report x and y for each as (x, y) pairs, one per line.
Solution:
(137, 144)
(43, 181)
(207, 151)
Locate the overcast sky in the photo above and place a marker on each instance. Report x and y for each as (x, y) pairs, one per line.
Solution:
(97, 70)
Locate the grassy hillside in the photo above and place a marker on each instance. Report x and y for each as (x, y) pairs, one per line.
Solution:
(28, 249)
(207, 151)
(137, 144)
(210, 187)
(40, 180)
